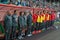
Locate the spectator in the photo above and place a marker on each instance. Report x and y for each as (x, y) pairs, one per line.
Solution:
(23, 3)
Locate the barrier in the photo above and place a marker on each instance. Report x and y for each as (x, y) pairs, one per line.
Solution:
(9, 7)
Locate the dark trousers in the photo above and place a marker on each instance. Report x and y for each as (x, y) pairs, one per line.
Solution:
(52, 22)
(48, 24)
(29, 28)
(20, 30)
(34, 26)
(14, 32)
(40, 26)
(7, 33)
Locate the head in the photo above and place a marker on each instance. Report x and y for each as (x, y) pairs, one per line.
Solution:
(40, 12)
(49, 12)
(37, 12)
(8, 13)
(21, 13)
(15, 12)
(25, 13)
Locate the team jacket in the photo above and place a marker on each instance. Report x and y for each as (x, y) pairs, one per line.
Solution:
(39, 19)
(21, 20)
(53, 16)
(8, 21)
(47, 17)
(34, 17)
(14, 20)
(43, 16)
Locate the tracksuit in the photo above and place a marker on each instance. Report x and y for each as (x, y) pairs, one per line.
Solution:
(8, 26)
(14, 25)
(21, 24)
(29, 24)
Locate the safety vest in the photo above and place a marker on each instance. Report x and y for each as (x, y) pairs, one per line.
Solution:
(48, 16)
(43, 17)
(39, 19)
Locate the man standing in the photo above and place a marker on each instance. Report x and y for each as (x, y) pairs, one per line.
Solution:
(29, 24)
(21, 23)
(34, 19)
(14, 24)
(8, 25)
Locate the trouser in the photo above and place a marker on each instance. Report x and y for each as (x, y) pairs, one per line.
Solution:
(40, 26)
(20, 30)
(44, 24)
(7, 33)
(29, 28)
(34, 26)
(48, 23)
(14, 32)
(52, 22)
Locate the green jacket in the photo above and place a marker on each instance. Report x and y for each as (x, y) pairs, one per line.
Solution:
(1, 28)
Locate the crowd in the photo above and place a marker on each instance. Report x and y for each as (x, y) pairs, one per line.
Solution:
(32, 3)
(27, 23)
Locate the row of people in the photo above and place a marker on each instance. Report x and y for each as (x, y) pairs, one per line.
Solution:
(22, 21)
(27, 23)
(43, 19)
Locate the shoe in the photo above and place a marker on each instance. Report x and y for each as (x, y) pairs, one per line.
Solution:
(43, 29)
(34, 32)
(23, 34)
(29, 35)
(20, 37)
(39, 31)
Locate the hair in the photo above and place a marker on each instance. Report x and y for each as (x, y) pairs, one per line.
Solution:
(8, 13)
(25, 13)
(14, 11)
(20, 13)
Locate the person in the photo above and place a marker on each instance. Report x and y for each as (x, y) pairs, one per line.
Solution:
(39, 22)
(23, 3)
(21, 25)
(34, 20)
(12, 1)
(14, 24)
(53, 16)
(47, 18)
(25, 23)
(8, 25)
(18, 2)
(43, 19)
(29, 24)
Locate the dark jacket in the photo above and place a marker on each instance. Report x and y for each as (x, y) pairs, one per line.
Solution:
(29, 19)
(25, 20)
(14, 20)
(21, 20)
(8, 21)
